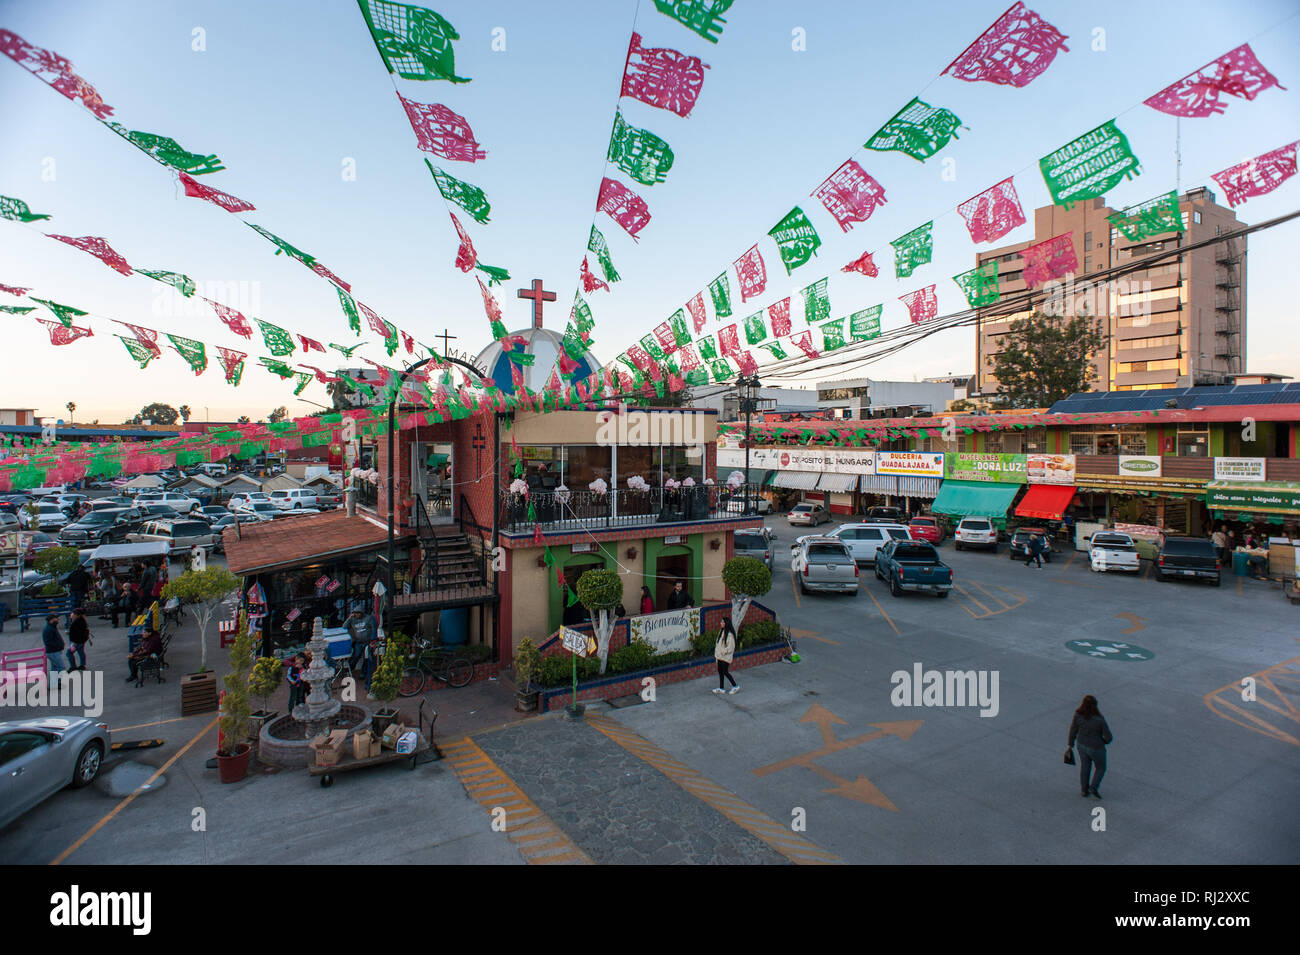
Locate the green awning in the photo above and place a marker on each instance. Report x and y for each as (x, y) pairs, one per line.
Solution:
(975, 499)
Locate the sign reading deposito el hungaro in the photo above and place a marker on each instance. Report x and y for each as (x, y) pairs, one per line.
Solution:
(995, 467)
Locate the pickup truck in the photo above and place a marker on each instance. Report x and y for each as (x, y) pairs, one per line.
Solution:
(327, 498)
(824, 563)
(913, 565)
(1187, 557)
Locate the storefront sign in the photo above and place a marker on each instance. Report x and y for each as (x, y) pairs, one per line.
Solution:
(834, 460)
(9, 542)
(1156, 485)
(673, 539)
(1050, 468)
(1138, 531)
(910, 463)
(668, 631)
(586, 548)
(1239, 469)
(1139, 465)
(1271, 498)
(974, 466)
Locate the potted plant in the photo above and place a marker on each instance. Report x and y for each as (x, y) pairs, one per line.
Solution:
(528, 663)
(387, 678)
(201, 592)
(232, 757)
(266, 676)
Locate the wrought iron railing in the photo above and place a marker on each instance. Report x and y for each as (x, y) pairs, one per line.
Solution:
(367, 494)
(559, 510)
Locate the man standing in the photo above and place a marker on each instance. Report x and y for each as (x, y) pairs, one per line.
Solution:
(1220, 539)
(680, 598)
(362, 628)
(148, 577)
(54, 645)
(78, 636)
(78, 584)
(1035, 550)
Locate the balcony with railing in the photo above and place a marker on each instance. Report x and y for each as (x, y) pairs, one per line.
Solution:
(560, 510)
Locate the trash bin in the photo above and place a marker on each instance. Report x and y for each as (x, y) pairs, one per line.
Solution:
(1241, 563)
(455, 625)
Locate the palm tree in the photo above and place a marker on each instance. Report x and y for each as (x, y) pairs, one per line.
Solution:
(184, 411)
(71, 406)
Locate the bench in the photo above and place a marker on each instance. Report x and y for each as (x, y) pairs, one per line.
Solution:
(42, 607)
(153, 665)
(28, 666)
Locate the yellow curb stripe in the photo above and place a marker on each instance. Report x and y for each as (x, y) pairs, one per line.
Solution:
(530, 823)
(749, 818)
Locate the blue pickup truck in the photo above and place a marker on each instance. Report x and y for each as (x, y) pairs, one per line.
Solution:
(913, 565)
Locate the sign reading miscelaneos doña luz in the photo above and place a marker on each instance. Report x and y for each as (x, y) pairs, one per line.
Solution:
(910, 463)
(977, 466)
(668, 631)
(1239, 469)
(1139, 465)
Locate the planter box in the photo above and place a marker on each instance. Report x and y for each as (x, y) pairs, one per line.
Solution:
(198, 693)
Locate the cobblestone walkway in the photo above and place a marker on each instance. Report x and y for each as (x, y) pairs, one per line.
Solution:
(618, 809)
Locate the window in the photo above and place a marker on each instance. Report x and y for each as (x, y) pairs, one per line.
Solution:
(1196, 217)
(1133, 441)
(1034, 440)
(993, 441)
(1194, 442)
(1087, 240)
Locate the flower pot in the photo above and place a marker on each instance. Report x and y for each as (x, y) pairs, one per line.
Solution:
(526, 702)
(257, 720)
(198, 692)
(382, 719)
(232, 769)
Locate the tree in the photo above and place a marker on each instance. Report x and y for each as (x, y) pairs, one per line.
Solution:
(184, 412)
(600, 591)
(57, 561)
(388, 675)
(1045, 358)
(234, 705)
(746, 578)
(242, 419)
(201, 592)
(72, 407)
(279, 414)
(156, 413)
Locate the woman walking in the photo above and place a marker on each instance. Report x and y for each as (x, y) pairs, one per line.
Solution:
(1089, 727)
(723, 651)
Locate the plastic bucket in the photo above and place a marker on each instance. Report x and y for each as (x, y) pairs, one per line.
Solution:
(455, 625)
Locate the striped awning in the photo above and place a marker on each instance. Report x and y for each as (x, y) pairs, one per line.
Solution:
(926, 487)
(879, 483)
(796, 480)
(837, 482)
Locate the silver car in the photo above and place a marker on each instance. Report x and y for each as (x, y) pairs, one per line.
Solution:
(41, 756)
(809, 513)
(755, 542)
(824, 564)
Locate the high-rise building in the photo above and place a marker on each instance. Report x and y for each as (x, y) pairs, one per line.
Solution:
(1179, 322)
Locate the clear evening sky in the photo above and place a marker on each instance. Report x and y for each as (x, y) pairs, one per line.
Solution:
(285, 93)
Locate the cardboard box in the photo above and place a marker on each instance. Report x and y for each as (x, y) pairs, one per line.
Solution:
(392, 734)
(328, 750)
(364, 745)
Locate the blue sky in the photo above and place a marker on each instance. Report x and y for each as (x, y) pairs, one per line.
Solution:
(286, 93)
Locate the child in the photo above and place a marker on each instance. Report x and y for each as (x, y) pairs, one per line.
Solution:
(297, 691)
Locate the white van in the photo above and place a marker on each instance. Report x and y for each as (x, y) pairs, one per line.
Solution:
(295, 499)
(214, 470)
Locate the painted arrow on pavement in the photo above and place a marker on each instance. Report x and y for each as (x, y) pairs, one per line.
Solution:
(1137, 622)
(825, 720)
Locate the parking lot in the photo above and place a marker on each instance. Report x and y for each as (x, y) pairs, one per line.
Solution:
(822, 760)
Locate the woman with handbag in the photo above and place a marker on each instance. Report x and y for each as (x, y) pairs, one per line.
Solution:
(1090, 729)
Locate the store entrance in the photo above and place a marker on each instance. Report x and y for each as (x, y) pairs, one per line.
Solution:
(669, 569)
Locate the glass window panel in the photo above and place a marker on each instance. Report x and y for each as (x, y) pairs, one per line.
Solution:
(584, 463)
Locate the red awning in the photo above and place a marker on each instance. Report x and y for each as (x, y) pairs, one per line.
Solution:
(1046, 502)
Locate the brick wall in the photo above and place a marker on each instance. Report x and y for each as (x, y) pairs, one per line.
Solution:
(629, 684)
(473, 467)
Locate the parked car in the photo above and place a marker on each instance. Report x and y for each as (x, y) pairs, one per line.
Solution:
(33, 542)
(293, 498)
(48, 517)
(241, 501)
(863, 540)
(976, 532)
(262, 510)
(925, 527)
(329, 498)
(1187, 557)
(1018, 548)
(808, 513)
(752, 502)
(1110, 550)
(755, 542)
(180, 535)
(70, 502)
(9, 522)
(211, 513)
(220, 525)
(41, 756)
(913, 566)
(13, 503)
(156, 511)
(179, 503)
(824, 564)
(892, 515)
(98, 527)
(296, 512)
(116, 501)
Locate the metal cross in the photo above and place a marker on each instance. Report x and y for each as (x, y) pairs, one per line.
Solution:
(538, 296)
(478, 443)
(445, 338)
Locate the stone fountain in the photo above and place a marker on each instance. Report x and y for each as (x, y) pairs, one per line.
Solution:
(285, 741)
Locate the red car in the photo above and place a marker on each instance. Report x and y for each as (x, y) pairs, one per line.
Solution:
(927, 529)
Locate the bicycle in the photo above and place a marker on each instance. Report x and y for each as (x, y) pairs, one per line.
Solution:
(439, 663)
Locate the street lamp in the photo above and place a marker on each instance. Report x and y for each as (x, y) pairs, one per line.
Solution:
(748, 387)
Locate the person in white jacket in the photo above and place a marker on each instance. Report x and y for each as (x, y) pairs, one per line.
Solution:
(723, 651)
